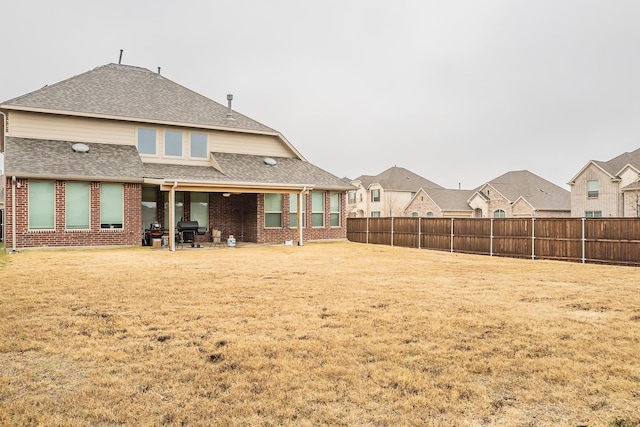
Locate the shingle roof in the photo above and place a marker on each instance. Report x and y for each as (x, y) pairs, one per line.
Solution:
(540, 193)
(133, 93)
(615, 165)
(56, 159)
(400, 179)
(448, 199)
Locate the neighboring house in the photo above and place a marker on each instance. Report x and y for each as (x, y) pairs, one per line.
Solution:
(385, 194)
(518, 194)
(440, 202)
(607, 189)
(96, 159)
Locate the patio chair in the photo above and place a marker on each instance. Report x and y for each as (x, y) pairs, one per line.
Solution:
(216, 237)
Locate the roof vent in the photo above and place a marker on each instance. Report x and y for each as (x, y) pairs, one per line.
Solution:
(270, 161)
(80, 148)
(229, 111)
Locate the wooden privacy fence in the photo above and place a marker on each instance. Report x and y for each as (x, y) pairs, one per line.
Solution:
(596, 240)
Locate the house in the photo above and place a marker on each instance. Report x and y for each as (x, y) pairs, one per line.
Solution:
(385, 194)
(439, 203)
(518, 194)
(94, 160)
(607, 189)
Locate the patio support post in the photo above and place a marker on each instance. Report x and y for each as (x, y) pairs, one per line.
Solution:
(300, 216)
(172, 217)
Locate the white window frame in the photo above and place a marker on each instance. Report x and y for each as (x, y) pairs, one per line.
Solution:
(67, 206)
(39, 212)
(155, 145)
(315, 212)
(191, 145)
(196, 206)
(104, 204)
(591, 192)
(375, 195)
(333, 213)
(272, 213)
(167, 140)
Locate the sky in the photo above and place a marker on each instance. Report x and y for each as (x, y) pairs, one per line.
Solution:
(457, 91)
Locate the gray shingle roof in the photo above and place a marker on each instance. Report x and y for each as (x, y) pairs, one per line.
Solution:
(245, 168)
(56, 159)
(448, 199)
(398, 179)
(616, 164)
(133, 93)
(540, 193)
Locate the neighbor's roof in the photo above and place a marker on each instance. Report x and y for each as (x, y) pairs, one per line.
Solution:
(449, 200)
(57, 160)
(399, 179)
(615, 165)
(33, 158)
(540, 193)
(132, 93)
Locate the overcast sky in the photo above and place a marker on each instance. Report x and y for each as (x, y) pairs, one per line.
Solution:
(458, 91)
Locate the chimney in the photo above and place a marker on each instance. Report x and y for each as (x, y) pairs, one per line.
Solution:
(120, 59)
(229, 111)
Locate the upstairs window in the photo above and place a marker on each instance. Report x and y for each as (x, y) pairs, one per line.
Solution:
(352, 196)
(172, 143)
(593, 214)
(199, 145)
(499, 213)
(593, 189)
(375, 195)
(147, 141)
(375, 214)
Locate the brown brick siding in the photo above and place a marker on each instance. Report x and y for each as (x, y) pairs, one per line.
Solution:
(129, 235)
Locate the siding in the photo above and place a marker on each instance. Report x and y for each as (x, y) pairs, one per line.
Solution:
(260, 145)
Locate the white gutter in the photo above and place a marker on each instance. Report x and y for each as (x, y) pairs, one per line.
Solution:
(172, 216)
(300, 239)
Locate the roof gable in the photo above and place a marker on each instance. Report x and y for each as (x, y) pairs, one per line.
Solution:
(539, 193)
(400, 179)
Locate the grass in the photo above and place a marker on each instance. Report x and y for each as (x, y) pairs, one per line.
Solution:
(325, 334)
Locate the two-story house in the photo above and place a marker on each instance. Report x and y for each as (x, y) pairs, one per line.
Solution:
(385, 194)
(96, 159)
(607, 189)
(518, 194)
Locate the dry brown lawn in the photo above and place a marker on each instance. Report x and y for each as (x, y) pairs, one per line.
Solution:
(325, 334)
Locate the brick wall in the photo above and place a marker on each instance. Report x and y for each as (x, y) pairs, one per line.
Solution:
(129, 235)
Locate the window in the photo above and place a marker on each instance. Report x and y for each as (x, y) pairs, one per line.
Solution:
(77, 205)
(361, 197)
(413, 194)
(42, 205)
(593, 214)
(375, 214)
(414, 214)
(147, 141)
(499, 214)
(430, 215)
(179, 208)
(593, 188)
(172, 143)
(272, 210)
(375, 195)
(352, 196)
(334, 208)
(200, 209)
(199, 145)
(317, 209)
(111, 205)
(293, 209)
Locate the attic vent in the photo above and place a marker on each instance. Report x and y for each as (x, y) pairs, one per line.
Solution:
(80, 148)
(269, 161)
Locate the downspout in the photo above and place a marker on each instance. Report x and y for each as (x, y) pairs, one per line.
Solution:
(172, 215)
(13, 214)
(300, 242)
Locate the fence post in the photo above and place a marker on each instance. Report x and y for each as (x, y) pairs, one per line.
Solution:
(392, 231)
(491, 237)
(584, 240)
(451, 234)
(419, 231)
(367, 231)
(533, 237)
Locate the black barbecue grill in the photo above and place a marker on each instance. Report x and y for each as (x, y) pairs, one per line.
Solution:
(188, 230)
